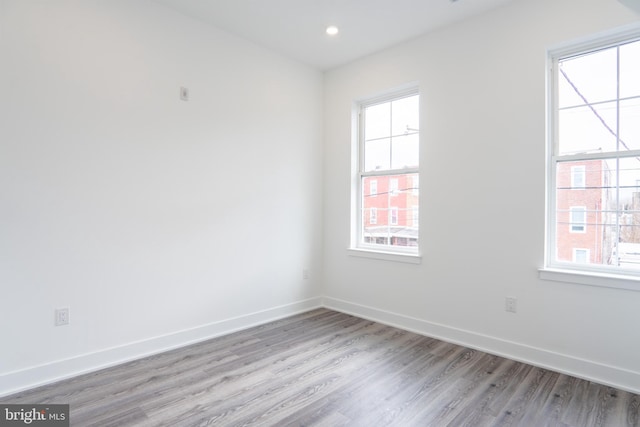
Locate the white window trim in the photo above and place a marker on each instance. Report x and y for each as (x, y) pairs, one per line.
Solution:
(567, 272)
(356, 247)
(590, 278)
(408, 257)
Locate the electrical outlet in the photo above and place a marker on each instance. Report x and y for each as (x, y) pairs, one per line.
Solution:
(306, 274)
(62, 316)
(511, 304)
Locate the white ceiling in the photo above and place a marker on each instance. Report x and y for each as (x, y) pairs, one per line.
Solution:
(296, 28)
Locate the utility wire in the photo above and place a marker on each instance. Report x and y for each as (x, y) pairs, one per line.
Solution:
(594, 111)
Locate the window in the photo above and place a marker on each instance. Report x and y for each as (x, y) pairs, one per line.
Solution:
(577, 176)
(394, 216)
(387, 159)
(393, 186)
(578, 219)
(373, 216)
(594, 157)
(580, 255)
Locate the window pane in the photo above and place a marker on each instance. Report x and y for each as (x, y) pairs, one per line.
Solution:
(582, 213)
(628, 179)
(405, 115)
(396, 211)
(584, 129)
(630, 123)
(567, 95)
(604, 217)
(377, 154)
(630, 70)
(405, 151)
(626, 253)
(377, 123)
(593, 76)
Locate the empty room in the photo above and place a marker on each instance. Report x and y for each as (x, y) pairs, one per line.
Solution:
(320, 212)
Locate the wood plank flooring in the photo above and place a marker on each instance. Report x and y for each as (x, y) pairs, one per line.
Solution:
(324, 368)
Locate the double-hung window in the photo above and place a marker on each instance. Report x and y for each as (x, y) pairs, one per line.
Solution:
(387, 154)
(593, 163)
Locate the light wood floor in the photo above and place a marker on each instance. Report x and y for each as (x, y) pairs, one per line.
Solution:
(324, 368)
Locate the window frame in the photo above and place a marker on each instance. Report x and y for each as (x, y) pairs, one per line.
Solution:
(358, 247)
(587, 274)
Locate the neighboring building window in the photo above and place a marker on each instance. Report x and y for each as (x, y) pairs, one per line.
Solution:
(393, 186)
(388, 148)
(577, 176)
(578, 219)
(580, 256)
(394, 216)
(373, 216)
(594, 156)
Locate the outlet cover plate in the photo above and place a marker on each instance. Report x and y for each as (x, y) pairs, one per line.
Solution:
(62, 316)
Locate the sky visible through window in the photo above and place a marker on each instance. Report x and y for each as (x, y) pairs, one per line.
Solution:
(391, 134)
(587, 99)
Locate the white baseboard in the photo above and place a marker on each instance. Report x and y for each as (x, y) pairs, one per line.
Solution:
(24, 379)
(17, 381)
(622, 379)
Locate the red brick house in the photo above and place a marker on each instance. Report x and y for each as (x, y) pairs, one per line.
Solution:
(390, 210)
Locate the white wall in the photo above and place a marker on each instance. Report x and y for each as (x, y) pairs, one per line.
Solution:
(160, 221)
(156, 221)
(482, 86)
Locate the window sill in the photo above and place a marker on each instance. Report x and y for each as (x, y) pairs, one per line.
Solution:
(604, 280)
(386, 256)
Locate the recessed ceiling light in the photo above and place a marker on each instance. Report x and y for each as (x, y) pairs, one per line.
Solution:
(332, 30)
